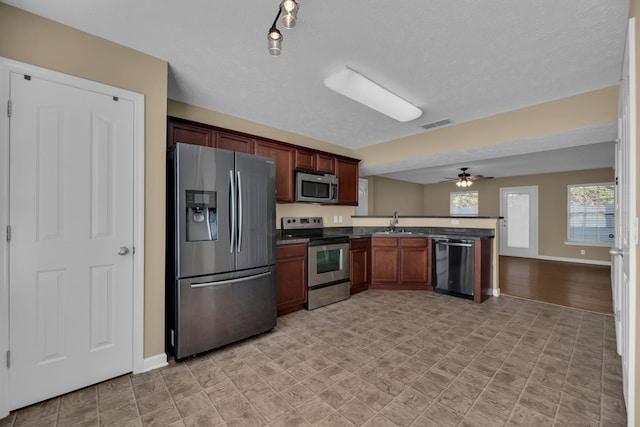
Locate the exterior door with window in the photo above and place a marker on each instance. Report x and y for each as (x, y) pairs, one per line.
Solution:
(519, 232)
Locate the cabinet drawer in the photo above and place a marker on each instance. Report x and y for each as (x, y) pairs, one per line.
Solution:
(294, 250)
(359, 243)
(414, 242)
(388, 242)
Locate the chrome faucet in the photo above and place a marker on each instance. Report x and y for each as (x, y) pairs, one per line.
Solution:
(393, 222)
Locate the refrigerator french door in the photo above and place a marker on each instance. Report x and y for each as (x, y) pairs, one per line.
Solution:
(221, 248)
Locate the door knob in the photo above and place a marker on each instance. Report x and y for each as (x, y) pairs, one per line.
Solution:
(123, 250)
(616, 252)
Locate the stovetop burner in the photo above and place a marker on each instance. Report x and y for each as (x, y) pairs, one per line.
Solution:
(310, 228)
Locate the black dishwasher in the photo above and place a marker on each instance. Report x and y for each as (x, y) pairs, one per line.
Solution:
(453, 269)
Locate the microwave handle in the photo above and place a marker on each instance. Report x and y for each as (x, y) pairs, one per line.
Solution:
(334, 192)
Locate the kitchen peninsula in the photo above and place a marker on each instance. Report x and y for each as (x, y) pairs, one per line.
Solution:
(388, 255)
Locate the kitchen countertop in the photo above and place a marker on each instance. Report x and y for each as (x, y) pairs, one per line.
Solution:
(364, 232)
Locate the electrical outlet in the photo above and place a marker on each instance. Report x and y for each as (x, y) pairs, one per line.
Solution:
(455, 222)
(335, 219)
(340, 219)
(582, 251)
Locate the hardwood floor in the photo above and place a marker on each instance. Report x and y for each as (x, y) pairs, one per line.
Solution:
(583, 286)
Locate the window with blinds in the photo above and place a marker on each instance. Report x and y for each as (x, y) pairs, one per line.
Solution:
(463, 203)
(591, 213)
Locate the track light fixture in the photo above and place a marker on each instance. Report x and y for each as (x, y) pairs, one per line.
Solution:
(289, 11)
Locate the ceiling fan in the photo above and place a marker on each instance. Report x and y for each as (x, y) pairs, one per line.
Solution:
(465, 179)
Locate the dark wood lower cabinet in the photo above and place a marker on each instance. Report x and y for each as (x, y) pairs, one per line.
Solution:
(360, 264)
(291, 277)
(483, 260)
(401, 263)
(384, 262)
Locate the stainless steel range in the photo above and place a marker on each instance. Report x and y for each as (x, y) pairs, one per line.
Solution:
(327, 260)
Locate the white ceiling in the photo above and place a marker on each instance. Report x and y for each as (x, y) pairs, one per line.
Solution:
(458, 60)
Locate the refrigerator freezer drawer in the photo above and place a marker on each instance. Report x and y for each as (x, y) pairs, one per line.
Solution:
(215, 313)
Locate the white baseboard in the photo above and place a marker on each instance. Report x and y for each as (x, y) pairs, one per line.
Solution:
(495, 292)
(154, 362)
(576, 260)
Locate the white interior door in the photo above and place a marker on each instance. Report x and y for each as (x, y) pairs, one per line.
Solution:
(519, 208)
(363, 197)
(623, 260)
(71, 219)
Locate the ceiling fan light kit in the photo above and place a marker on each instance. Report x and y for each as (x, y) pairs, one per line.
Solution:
(359, 88)
(288, 9)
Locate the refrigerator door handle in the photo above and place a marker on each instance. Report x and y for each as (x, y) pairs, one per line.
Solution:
(230, 281)
(239, 213)
(232, 212)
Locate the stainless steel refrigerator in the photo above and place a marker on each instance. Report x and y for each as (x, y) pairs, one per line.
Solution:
(220, 269)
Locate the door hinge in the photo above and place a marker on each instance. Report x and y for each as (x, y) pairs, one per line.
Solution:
(8, 233)
(8, 359)
(133, 250)
(9, 108)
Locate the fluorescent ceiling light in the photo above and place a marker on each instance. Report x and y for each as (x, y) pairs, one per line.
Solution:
(359, 88)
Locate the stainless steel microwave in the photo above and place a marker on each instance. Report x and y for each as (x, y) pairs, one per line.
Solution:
(316, 188)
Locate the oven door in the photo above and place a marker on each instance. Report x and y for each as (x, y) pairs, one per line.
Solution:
(328, 263)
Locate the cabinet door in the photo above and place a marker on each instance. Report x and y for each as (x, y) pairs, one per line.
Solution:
(291, 277)
(304, 160)
(359, 262)
(347, 172)
(232, 142)
(283, 156)
(325, 163)
(384, 261)
(414, 260)
(189, 134)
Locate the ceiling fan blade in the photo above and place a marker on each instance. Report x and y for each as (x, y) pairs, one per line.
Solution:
(448, 180)
(478, 177)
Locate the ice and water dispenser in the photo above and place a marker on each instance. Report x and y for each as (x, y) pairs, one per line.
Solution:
(202, 215)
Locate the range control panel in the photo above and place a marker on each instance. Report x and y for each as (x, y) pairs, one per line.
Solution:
(292, 223)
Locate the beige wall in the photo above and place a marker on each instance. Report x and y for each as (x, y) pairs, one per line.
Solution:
(31, 39)
(576, 112)
(552, 207)
(634, 12)
(387, 196)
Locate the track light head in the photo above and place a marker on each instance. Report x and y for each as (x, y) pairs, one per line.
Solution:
(289, 12)
(275, 41)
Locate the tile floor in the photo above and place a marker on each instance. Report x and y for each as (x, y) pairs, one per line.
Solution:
(382, 358)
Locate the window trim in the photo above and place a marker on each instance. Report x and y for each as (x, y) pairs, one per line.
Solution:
(568, 241)
(452, 195)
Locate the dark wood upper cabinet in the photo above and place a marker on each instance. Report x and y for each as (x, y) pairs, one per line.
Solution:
(347, 172)
(325, 163)
(189, 134)
(288, 157)
(283, 156)
(305, 160)
(229, 141)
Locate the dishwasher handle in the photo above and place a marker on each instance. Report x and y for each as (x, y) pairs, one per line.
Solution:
(445, 243)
